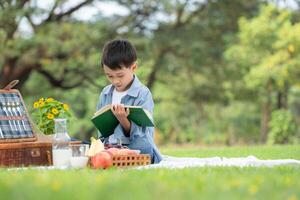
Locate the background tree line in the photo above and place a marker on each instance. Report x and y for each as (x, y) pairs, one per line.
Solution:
(220, 71)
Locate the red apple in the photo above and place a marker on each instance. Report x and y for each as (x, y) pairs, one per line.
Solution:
(102, 160)
(108, 153)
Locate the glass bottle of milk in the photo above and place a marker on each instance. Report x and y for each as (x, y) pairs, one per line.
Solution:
(61, 151)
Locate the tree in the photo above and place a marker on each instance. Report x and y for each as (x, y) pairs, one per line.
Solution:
(57, 46)
(267, 53)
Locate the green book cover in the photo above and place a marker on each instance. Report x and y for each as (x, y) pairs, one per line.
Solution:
(106, 122)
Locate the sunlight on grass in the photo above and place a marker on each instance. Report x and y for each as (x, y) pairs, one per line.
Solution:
(191, 183)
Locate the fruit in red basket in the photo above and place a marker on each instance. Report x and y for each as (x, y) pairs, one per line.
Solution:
(113, 151)
(126, 152)
(102, 160)
(96, 147)
(108, 153)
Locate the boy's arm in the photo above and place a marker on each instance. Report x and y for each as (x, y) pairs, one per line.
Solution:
(129, 127)
(147, 103)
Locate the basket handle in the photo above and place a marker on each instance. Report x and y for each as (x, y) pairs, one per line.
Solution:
(11, 85)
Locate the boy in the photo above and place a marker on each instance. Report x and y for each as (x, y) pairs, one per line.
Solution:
(119, 64)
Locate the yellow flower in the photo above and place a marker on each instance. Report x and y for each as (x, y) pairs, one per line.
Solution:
(252, 189)
(49, 100)
(291, 48)
(41, 104)
(235, 183)
(36, 104)
(54, 111)
(50, 116)
(293, 197)
(66, 106)
(56, 186)
(41, 100)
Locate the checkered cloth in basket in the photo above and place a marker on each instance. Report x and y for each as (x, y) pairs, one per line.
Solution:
(14, 120)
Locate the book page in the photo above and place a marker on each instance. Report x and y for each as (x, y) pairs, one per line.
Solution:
(133, 107)
(102, 110)
(148, 114)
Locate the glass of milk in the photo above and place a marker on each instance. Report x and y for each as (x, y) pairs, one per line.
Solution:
(79, 158)
(61, 151)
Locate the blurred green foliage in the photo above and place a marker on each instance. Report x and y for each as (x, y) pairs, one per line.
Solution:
(283, 128)
(267, 54)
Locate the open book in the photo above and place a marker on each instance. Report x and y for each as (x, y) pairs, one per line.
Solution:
(106, 122)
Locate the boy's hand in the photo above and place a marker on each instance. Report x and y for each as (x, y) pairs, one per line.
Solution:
(121, 114)
(119, 111)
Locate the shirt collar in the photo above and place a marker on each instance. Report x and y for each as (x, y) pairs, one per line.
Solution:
(132, 91)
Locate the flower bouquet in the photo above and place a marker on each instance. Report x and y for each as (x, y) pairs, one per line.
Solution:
(45, 110)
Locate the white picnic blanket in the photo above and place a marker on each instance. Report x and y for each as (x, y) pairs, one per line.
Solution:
(171, 162)
(183, 162)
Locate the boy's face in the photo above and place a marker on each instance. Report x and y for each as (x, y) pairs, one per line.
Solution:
(120, 78)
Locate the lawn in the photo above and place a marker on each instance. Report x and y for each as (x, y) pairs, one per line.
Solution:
(193, 183)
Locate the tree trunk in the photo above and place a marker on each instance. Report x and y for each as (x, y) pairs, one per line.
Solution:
(282, 97)
(11, 72)
(266, 114)
(279, 100)
(157, 65)
(265, 121)
(153, 74)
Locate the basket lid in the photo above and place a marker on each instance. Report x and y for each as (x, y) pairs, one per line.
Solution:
(15, 124)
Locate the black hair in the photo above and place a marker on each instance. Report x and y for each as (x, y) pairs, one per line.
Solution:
(117, 54)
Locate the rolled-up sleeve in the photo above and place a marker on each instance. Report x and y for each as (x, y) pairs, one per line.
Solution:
(146, 102)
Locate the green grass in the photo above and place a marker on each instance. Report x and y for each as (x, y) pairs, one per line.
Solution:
(261, 152)
(193, 183)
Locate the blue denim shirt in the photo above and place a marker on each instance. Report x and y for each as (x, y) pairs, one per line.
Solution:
(140, 138)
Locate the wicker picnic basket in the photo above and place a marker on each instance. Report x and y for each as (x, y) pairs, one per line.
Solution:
(19, 144)
(124, 161)
(19, 154)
